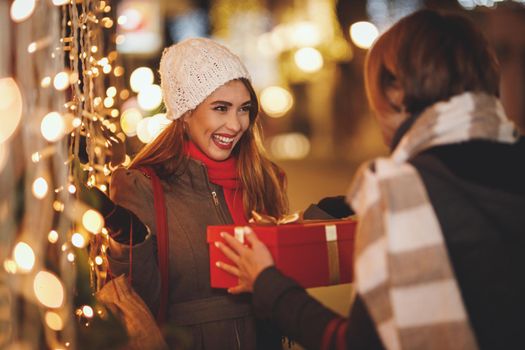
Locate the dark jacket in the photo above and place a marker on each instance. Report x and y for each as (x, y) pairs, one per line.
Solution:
(211, 318)
(477, 190)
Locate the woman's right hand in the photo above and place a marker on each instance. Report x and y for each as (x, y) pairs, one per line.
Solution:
(249, 261)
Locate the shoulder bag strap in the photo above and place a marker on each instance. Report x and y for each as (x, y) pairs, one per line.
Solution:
(162, 241)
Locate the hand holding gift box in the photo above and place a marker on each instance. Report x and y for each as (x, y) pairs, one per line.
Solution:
(314, 253)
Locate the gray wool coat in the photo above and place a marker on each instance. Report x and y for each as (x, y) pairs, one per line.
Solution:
(209, 318)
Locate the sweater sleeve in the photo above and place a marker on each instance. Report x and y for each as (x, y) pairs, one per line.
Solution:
(298, 315)
(304, 319)
(132, 190)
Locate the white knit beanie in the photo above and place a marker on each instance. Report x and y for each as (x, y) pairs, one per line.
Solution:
(192, 70)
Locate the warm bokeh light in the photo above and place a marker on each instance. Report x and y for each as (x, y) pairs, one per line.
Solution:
(121, 20)
(31, 48)
(45, 82)
(22, 9)
(131, 19)
(305, 34)
(10, 266)
(58, 206)
(265, 45)
(111, 91)
(93, 221)
(52, 236)
(61, 2)
(363, 34)
(70, 257)
(150, 97)
(118, 71)
(48, 289)
(143, 131)
(76, 122)
(54, 321)
(24, 257)
(141, 78)
(52, 127)
(308, 59)
(87, 311)
(290, 146)
(157, 123)
(40, 188)
(99, 260)
(129, 121)
(10, 107)
(61, 81)
(71, 188)
(276, 101)
(78, 240)
(108, 102)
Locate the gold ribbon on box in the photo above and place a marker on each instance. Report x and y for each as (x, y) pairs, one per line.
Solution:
(297, 218)
(268, 220)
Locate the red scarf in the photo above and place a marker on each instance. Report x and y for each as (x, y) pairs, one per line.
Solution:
(224, 174)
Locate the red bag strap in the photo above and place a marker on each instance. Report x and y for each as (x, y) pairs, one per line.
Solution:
(329, 332)
(162, 240)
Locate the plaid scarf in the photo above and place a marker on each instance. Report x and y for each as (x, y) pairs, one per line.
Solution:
(403, 272)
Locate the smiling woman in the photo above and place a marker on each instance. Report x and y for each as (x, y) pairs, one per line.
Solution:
(219, 122)
(213, 171)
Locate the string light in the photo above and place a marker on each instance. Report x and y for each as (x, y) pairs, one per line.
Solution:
(78, 240)
(276, 101)
(93, 221)
(308, 59)
(129, 121)
(24, 257)
(71, 188)
(99, 260)
(141, 78)
(54, 321)
(150, 97)
(22, 9)
(61, 81)
(143, 133)
(111, 91)
(52, 236)
(87, 311)
(40, 187)
(58, 206)
(61, 2)
(45, 82)
(10, 107)
(10, 266)
(363, 34)
(52, 127)
(108, 102)
(48, 289)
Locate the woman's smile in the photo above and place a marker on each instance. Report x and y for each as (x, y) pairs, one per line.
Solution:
(219, 122)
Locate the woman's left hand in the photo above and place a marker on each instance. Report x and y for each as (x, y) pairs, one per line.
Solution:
(249, 261)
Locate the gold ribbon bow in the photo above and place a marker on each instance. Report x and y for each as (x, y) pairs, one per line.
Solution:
(268, 220)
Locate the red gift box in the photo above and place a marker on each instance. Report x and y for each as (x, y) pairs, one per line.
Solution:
(313, 253)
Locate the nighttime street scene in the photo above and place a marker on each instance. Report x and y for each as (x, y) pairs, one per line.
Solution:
(262, 174)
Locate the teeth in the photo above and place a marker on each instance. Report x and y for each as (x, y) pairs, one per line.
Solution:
(223, 139)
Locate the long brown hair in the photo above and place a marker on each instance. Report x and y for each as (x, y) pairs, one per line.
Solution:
(263, 182)
(432, 57)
